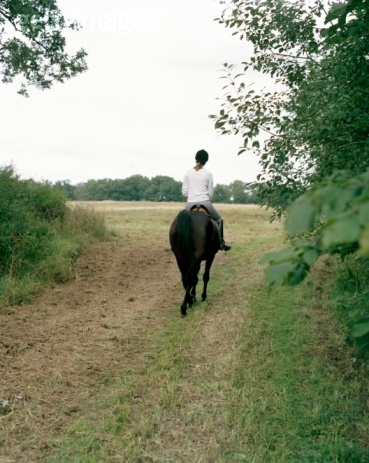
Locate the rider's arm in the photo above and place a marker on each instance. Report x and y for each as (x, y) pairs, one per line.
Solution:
(210, 187)
(185, 187)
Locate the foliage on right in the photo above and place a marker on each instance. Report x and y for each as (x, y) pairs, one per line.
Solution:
(311, 132)
(315, 121)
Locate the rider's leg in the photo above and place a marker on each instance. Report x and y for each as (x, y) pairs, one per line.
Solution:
(223, 245)
(214, 214)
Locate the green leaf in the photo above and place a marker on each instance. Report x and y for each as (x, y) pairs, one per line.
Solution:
(333, 199)
(301, 216)
(337, 10)
(219, 125)
(360, 327)
(364, 243)
(279, 273)
(364, 213)
(310, 256)
(277, 257)
(298, 275)
(343, 231)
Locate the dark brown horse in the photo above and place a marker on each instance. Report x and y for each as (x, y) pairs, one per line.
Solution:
(194, 237)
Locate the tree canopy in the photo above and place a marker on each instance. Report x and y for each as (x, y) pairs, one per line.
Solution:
(33, 45)
(315, 121)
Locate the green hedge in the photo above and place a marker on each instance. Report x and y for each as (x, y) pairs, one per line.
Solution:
(40, 237)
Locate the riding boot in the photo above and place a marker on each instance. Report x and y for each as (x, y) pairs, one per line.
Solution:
(223, 245)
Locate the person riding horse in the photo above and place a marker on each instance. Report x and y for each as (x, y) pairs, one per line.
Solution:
(198, 189)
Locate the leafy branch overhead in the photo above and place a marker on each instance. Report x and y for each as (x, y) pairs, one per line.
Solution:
(331, 218)
(33, 46)
(315, 120)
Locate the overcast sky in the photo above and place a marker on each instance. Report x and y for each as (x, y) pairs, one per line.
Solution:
(143, 105)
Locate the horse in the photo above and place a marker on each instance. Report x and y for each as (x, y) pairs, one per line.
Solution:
(194, 237)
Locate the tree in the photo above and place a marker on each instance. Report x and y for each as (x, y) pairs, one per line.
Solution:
(315, 122)
(163, 188)
(222, 194)
(32, 44)
(128, 189)
(66, 187)
(94, 190)
(238, 192)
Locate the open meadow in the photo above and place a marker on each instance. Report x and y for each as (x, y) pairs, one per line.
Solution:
(103, 369)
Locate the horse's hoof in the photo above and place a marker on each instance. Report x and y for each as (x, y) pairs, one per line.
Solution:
(183, 312)
(203, 299)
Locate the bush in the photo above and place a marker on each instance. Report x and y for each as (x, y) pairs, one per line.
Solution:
(46, 202)
(350, 290)
(24, 235)
(40, 236)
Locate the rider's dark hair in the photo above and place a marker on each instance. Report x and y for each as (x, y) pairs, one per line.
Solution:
(202, 157)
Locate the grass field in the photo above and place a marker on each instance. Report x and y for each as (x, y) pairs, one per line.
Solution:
(251, 375)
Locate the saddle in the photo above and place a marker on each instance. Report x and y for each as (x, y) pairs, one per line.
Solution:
(200, 208)
(204, 210)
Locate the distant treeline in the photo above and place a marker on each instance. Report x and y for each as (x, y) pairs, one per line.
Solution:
(160, 188)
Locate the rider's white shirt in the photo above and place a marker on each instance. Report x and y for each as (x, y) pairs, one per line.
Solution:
(198, 185)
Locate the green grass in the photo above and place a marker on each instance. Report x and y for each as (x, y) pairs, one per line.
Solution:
(296, 401)
(250, 375)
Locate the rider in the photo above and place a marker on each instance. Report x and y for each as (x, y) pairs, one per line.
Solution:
(197, 188)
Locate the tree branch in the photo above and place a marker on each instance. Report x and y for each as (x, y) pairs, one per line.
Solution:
(9, 18)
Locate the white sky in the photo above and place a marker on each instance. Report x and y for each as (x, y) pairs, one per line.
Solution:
(143, 105)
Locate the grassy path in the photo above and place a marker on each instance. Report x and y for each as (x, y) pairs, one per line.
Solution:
(249, 376)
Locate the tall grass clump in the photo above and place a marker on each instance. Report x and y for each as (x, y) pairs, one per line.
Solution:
(349, 298)
(350, 291)
(41, 236)
(83, 223)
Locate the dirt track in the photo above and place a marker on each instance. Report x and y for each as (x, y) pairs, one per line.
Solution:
(77, 336)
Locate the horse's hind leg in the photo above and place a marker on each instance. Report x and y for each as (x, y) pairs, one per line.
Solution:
(184, 307)
(187, 300)
(193, 290)
(206, 276)
(190, 296)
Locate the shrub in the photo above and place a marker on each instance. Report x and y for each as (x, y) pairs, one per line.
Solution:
(46, 202)
(24, 235)
(40, 236)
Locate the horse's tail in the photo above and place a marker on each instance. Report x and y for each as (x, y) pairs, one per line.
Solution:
(185, 237)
